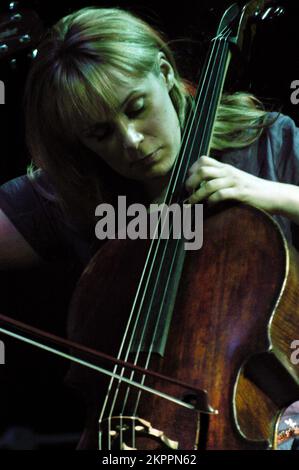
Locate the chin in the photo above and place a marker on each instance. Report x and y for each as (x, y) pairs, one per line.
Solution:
(162, 168)
(153, 173)
(159, 169)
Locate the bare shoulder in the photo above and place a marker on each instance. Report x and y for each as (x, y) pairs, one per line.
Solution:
(15, 251)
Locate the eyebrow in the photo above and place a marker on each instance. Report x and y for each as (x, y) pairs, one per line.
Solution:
(98, 125)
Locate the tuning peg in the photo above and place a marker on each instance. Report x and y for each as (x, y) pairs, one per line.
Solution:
(3, 49)
(24, 38)
(16, 17)
(32, 54)
(271, 12)
(279, 11)
(13, 64)
(13, 6)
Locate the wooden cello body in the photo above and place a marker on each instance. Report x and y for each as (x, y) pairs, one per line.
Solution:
(234, 318)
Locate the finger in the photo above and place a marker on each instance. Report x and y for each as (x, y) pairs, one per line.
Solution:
(223, 194)
(204, 160)
(209, 188)
(204, 173)
(197, 196)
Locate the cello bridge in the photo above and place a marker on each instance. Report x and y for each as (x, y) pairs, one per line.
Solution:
(129, 432)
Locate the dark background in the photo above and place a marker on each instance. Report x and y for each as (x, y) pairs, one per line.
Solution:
(32, 393)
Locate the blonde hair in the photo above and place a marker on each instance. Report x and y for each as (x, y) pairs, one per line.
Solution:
(73, 77)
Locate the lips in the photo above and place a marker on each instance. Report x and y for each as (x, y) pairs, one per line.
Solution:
(150, 158)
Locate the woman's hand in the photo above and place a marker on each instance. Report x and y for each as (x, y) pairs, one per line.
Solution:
(214, 181)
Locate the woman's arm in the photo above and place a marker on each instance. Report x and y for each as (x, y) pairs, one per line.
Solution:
(215, 181)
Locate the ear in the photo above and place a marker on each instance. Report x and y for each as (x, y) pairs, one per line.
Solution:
(166, 70)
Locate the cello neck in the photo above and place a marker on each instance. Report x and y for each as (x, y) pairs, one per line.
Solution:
(199, 127)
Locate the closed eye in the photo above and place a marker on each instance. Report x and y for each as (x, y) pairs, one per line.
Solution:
(136, 107)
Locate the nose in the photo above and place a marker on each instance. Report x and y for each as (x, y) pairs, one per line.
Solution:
(132, 138)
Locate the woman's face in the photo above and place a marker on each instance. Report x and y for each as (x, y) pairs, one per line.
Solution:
(142, 141)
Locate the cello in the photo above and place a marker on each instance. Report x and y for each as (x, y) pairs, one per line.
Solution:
(194, 315)
(221, 318)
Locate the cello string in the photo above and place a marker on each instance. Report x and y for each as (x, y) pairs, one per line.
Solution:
(217, 80)
(198, 100)
(205, 125)
(132, 335)
(181, 162)
(161, 303)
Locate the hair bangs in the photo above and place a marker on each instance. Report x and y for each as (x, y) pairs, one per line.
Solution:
(87, 97)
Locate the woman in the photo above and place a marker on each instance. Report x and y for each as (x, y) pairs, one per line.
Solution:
(105, 112)
(102, 96)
